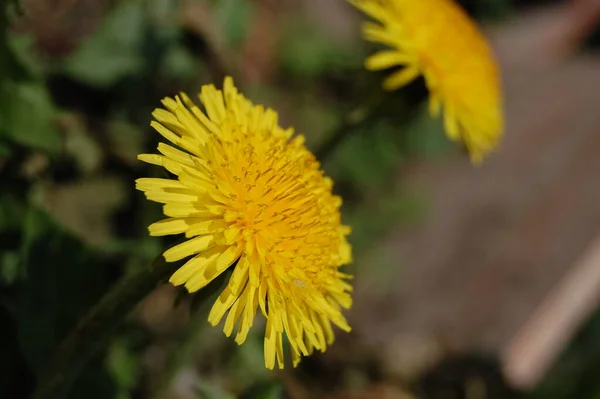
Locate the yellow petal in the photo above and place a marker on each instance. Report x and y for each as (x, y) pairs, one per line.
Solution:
(195, 265)
(239, 277)
(234, 314)
(318, 331)
(279, 349)
(312, 340)
(195, 180)
(176, 210)
(167, 117)
(213, 102)
(231, 233)
(296, 358)
(168, 226)
(270, 345)
(207, 226)
(451, 124)
(151, 183)
(221, 306)
(198, 133)
(166, 133)
(377, 33)
(166, 197)
(234, 288)
(248, 315)
(152, 159)
(176, 155)
(169, 103)
(294, 333)
(326, 324)
(209, 271)
(189, 247)
(386, 59)
(435, 105)
(160, 160)
(401, 78)
(262, 294)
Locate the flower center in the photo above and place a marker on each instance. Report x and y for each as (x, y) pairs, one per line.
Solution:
(278, 202)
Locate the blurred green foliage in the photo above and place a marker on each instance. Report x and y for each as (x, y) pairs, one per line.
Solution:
(28, 115)
(306, 51)
(114, 50)
(234, 17)
(71, 223)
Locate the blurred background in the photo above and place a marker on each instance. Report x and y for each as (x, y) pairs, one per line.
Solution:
(471, 282)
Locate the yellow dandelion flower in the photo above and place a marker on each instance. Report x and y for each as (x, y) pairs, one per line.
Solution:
(247, 194)
(438, 40)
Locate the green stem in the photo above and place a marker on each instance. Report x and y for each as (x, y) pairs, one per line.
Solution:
(94, 330)
(202, 302)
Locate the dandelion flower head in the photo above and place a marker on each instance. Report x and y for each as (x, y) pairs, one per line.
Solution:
(438, 40)
(245, 193)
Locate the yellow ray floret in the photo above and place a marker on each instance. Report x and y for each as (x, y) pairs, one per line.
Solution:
(245, 193)
(438, 40)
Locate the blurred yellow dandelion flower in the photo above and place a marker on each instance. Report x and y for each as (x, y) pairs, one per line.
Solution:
(438, 40)
(247, 194)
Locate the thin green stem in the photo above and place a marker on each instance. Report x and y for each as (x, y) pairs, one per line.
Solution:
(201, 305)
(94, 330)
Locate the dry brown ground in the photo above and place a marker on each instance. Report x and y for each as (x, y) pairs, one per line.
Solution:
(498, 238)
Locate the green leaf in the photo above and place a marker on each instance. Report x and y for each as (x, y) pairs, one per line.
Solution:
(307, 51)
(234, 17)
(425, 136)
(21, 46)
(374, 153)
(207, 390)
(179, 63)
(27, 116)
(271, 391)
(12, 212)
(122, 365)
(101, 322)
(10, 66)
(63, 278)
(114, 50)
(9, 267)
(70, 205)
(5, 150)
(15, 5)
(264, 390)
